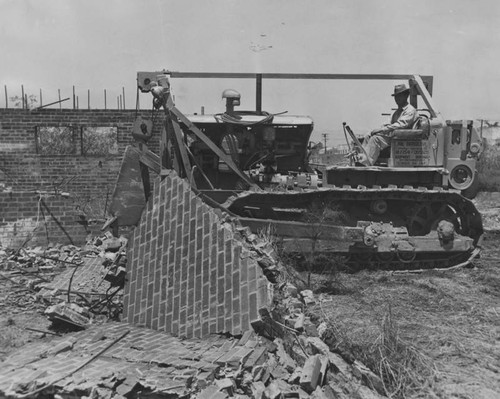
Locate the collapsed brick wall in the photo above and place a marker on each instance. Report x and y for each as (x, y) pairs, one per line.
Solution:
(88, 179)
(190, 272)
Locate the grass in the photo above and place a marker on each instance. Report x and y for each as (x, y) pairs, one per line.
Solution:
(433, 334)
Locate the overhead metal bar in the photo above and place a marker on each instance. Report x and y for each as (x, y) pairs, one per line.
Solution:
(259, 77)
(328, 76)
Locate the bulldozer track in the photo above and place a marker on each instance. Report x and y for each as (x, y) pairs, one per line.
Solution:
(417, 209)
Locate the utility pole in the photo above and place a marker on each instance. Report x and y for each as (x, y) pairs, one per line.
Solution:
(325, 138)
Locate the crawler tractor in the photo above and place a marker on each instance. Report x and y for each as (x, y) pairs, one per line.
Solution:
(410, 210)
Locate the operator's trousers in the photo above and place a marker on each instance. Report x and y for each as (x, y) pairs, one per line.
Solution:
(374, 144)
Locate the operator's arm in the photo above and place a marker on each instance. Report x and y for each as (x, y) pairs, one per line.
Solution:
(405, 121)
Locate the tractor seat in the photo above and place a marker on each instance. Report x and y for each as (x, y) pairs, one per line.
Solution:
(420, 130)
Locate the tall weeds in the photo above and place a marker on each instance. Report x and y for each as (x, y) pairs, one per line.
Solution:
(403, 369)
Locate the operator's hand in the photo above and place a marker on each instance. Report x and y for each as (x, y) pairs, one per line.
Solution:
(376, 131)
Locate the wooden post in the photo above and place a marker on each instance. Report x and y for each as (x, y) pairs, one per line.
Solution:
(123, 91)
(88, 98)
(105, 105)
(59, 93)
(26, 100)
(41, 99)
(6, 97)
(77, 103)
(74, 99)
(22, 95)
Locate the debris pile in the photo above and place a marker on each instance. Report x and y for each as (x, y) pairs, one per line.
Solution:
(28, 269)
(283, 357)
(286, 359)
(77, 283)
(120, 361)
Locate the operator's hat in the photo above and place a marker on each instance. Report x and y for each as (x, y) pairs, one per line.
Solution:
(398, 89)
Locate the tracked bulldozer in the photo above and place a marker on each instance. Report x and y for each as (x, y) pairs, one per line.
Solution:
(412, 209)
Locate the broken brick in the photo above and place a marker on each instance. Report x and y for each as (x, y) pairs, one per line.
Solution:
(257, 357)
(211, 392)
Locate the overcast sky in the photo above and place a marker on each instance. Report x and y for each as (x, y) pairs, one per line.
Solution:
(101, 44)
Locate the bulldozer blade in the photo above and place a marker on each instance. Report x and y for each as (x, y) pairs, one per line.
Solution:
(129, 198)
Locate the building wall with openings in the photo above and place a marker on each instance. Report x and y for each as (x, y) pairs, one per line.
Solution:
(58, 168)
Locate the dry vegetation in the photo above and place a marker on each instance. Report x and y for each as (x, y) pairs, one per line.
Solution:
(489, 168)
(433, 334)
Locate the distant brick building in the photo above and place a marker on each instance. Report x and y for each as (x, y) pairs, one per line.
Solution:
(46, 152)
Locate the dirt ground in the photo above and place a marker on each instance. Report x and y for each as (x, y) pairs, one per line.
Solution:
(19, 310)
(451, 319)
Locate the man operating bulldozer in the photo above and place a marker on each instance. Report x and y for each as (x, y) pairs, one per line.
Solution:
(403, 118)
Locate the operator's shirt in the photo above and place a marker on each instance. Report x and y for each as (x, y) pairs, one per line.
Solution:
(402, 118)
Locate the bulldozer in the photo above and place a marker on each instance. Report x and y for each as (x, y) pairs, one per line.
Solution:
(410, 210)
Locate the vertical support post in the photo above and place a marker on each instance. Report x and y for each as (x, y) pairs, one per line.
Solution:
(77, 103)
(123, 91)
(258, 92)
(59, 94)
(6, 97)
(26, 100)
(74, 98)
(429, 84)
(118, 102)
(105, 105)
(22, 95)
(41, 98)
(88, 98)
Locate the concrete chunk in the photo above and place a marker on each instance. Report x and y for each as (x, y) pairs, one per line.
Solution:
(311, 373)
(315, 345)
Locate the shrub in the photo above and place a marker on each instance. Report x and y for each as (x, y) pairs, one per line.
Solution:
(489, 168)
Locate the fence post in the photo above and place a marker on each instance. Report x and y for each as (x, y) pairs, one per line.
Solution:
(6, 97)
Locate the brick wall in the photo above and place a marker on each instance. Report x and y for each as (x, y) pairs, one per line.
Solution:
(88, 179)
(191, 272)
(31, 219)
